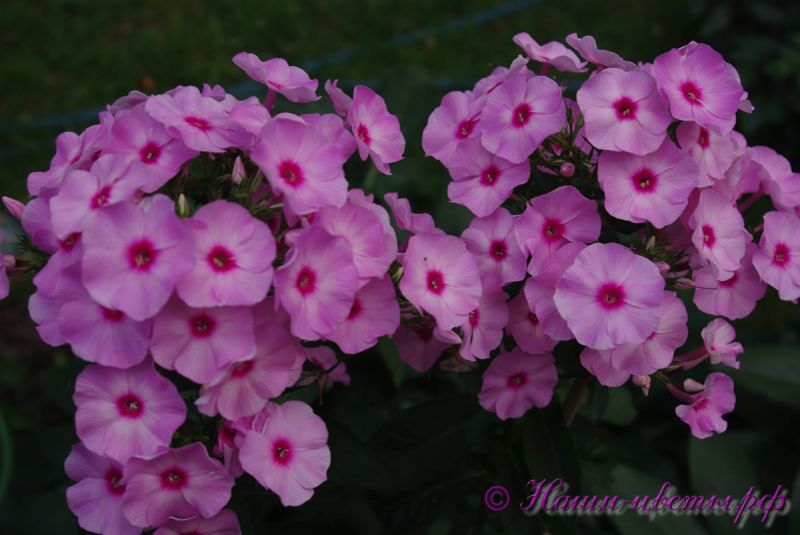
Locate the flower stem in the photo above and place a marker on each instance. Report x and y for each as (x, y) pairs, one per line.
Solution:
(574, 399)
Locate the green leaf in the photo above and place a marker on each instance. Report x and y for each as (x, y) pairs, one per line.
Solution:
(772, 371)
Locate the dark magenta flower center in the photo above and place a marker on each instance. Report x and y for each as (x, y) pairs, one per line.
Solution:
(517, 380)
(100, 198)
(465, 128)
(553, 230)
(498, 250)
(291, 173)
(202, 325)
(69, 243)
(363, 134)
(611, 296)
(355, 310)
(533, 319)
(644, 181)
(221, 259)
(702, 138)
(113, 478)
(521, 115)
(242, 369)
(781, 255)
(691, 92)
(306, 281)
(435, 282)
(474, 318)
(489, 175)
(174, 479)
(111, 315)
(141, 255)
(130, 405)
(281, 451)
(150, 153)
(708, 236)
(626, 109)
(730, 282)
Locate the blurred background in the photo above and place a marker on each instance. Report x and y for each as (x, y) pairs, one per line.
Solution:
(411, 453)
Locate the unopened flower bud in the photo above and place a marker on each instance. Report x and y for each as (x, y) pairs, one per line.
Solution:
(238, 173)
(690, 385)
(567, 169)
(663, 267)
(14, 207)
(183, 206)
(642, 381)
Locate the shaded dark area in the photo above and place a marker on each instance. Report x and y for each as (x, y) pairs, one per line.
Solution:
(411, 453)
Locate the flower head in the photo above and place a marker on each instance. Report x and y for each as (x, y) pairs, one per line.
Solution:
(483, 330)
(301, 164)
(526, 329)
(177, 483)
(517, 381)
(233, 257)
(418, 347)
(96, 497)
(493, 243)
(482, 181)
(377, 131)
(734, 298)
(623, 111)
(519, 114)
(122, 413)
(449, 125)
(610, 296)
(587, 48)
(699, 85)
(719, 234)
(224, 523)
(374, 313)
(552, 53)
(289, 453)
(778, 257)
(653, 188)
(719, 339)
(704, 414)
(440, 277)
(713, 153)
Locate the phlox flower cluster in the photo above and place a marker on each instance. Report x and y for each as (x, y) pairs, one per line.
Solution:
(206, 255)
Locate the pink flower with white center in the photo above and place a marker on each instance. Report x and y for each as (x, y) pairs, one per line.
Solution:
(526, 329)
(778, 258)
(712, 152)
(623, 111)
(587, 48)
(519, 114)
(332, 127)
(441, 277)
(317, 285)
(483, 330)
(99, 334)
(96, 497)
(364, 231)
(657, 351)
(418, 347)
(82, 193)
(233, 257)
(73, 151)
(176, 483)
(289, 454)
(407, 219)
(201, 342)
(244, 388)
(482, 181)
(699, 85)
(493, 243)
(377, 131)
(450, 124)
(610, 296)
(374, 313)
(719, 340)
(706, 409)
(123, 413)
(779, 181)
(340, 100)
(554, 219)
(146, 145)
(552, 53)
(653, 188)
(517, 381)
(280, 77)
(134, 255)
(539, 291)
(302, 165)
(331, 370)
(599, 364)
(224, 523)
(201, 122)
(718, 233)
(734, 298)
